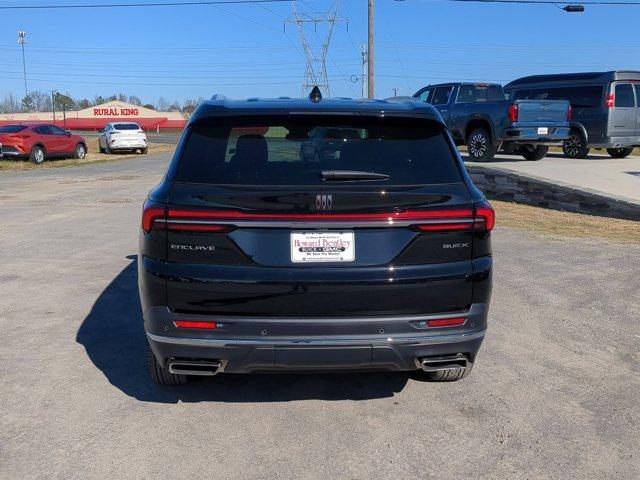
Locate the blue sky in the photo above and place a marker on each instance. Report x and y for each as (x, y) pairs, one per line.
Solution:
(190, 51)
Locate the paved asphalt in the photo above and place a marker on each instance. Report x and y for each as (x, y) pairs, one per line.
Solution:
(598, 172)
(554, 393)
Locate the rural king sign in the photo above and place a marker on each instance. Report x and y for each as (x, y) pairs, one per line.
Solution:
(115, 112)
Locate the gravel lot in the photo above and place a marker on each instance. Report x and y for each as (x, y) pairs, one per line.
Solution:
(554, 393)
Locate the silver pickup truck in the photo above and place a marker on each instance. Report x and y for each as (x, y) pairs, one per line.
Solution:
(479, 116)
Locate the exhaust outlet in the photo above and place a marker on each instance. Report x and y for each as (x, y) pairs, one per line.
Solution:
(440, 364)
(194, 367)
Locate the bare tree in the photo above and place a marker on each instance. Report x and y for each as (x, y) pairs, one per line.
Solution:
(162, 104)
(191, 104)
(135, 100)
(10, 104)
(41, 101)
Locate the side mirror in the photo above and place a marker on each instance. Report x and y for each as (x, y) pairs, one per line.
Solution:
(68, 133)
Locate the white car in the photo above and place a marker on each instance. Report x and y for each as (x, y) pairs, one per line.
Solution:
(122, 136)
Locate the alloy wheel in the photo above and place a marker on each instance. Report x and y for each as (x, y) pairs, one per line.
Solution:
(39, 155)
(478, 145)
(572, 145)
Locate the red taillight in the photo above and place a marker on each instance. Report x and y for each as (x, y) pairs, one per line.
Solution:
(569, 113)
(446, 322)
(154, 217)
(610, 101)
(446, 220)
(195, 227)
(150, 212)
(482, 217)
(512, 112)
(485, 217)
(445, 227)
(196, 325)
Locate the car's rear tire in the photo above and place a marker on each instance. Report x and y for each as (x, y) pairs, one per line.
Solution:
(143, 151)
(619, 152)
(575, 146)
(107, 150)
(162, 376)
(37, 155)
(534, 153)
(479, 146)
(80, 152)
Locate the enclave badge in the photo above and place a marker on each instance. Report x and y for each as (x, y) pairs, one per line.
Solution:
(197, 248)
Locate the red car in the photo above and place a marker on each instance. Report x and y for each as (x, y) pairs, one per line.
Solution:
(40, 141)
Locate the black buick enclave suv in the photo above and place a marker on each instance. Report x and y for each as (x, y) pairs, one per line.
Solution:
(255, 257)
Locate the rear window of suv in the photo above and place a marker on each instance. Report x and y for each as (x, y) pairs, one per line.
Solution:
(286, 150)
(12, 128)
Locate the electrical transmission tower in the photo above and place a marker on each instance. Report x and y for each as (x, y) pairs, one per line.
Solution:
(315, 71)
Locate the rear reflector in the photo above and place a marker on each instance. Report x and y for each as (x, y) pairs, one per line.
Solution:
(440, 322)
(446, 322)
(196, 325)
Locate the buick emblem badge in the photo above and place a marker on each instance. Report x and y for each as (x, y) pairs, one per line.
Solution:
(324, 201)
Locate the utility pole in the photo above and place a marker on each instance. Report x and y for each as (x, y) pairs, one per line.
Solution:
(53, 104)
(370, 52)
(363, 77)
(22, 40)
(315, 72)
(395, 92)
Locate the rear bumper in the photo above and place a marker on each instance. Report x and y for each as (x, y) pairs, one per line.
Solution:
(378, 343)
(9, 151)
(617, 142)
(127, 144)
(555, 135)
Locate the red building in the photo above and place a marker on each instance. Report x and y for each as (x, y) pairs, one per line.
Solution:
(95, 118)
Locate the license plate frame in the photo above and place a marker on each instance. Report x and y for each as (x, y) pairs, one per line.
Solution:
(335, 246)
(543, 130)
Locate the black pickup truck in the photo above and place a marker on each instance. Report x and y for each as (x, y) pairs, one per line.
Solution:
(479, 116)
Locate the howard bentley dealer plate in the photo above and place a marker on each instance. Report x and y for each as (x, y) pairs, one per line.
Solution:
(310, 247)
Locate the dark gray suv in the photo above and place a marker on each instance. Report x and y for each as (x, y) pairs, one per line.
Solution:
(606, 108)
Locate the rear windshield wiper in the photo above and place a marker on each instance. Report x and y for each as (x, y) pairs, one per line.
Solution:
(346, 175)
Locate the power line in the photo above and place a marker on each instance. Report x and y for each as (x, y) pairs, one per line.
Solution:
(541, 2)
(142, 4)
